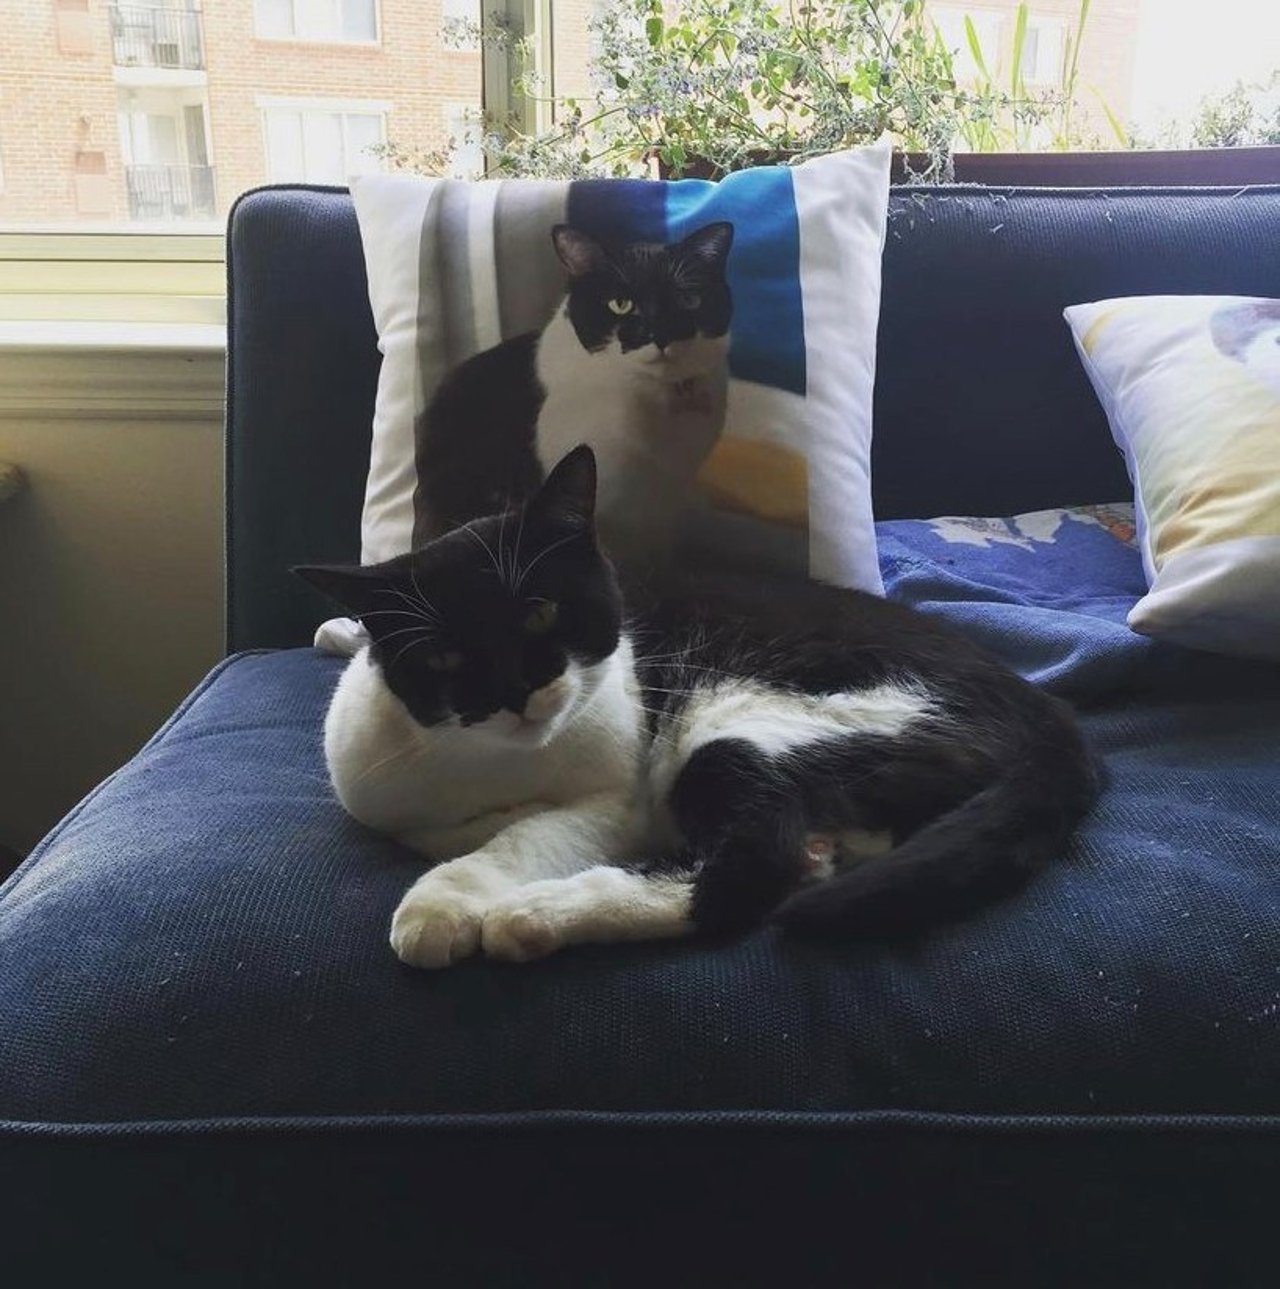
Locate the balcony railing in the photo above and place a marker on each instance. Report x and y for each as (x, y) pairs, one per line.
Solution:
(145, 36)
(171, 192)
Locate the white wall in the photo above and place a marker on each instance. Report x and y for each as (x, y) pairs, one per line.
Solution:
(110, 564)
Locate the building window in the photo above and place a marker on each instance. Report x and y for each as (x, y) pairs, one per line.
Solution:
(460, 24)
(321, 143)
(950, 24)
(332, 21)
(466, 141)
(1042, 51)
(164, 144)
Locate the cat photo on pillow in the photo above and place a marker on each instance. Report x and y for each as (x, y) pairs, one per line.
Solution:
(634, 362)
(1248, 331)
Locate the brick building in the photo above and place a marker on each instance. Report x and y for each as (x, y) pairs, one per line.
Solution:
(154, 110)
(166, 109)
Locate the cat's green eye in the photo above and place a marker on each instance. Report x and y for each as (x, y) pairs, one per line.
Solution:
(621, 305)
(449, 661)
(541, 618)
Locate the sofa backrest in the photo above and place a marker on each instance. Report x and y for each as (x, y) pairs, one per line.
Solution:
(981, 405)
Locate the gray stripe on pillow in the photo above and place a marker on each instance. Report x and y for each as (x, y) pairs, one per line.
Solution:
(430, 350)
(453, 233)
(530, 281)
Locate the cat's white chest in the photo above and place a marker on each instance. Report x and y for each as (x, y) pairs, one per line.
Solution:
(651, 422)
(399, 777)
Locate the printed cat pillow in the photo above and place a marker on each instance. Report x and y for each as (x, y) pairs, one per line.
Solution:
(714, 343)
(635, 363)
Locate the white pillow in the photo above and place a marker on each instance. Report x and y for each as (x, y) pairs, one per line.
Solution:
(457, 268)
(1191, 386)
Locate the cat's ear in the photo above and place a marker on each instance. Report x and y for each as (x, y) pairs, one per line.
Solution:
(358, 588)
(579, 253)
(568, 498)
(709, 245)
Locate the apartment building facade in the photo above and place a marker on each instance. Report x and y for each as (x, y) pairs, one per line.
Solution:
(162, 110)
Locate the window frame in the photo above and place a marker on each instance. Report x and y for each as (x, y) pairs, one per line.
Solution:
(55, 275)
(1039, 23)
(340, 41)
(302, 104)
(85, 273)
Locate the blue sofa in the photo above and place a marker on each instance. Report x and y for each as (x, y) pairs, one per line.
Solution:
(213, 1071)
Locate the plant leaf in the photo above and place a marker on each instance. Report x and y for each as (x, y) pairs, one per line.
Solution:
(1016, 87)
(1122, 135)
(975, 47)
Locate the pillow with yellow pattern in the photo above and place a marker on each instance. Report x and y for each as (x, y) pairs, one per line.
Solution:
(1191, 386)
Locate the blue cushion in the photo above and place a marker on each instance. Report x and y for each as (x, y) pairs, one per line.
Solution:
(210, 921)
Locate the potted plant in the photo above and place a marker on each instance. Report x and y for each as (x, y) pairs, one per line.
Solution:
(703, 87)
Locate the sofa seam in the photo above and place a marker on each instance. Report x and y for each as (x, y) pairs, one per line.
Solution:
(498, 1121)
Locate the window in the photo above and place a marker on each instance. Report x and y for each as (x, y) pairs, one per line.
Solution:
(460, 11)
(130, 127)
(455, 16)
(314, 141)
(1042, 52)
(987, 26)
(333, 21)
(466, 140)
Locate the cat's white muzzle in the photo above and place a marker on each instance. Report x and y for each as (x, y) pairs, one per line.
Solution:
(544, 713)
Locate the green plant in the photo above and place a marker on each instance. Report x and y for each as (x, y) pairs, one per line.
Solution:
(1243, 116)
(1044, 117)
(717, 85)
(1246, 115)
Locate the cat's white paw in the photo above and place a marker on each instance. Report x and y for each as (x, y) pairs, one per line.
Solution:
(434, 927)
(526, 926)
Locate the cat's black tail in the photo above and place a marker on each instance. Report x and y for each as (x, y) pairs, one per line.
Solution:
(984, 848)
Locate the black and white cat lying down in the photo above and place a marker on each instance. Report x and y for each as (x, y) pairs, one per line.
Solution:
(721, 752)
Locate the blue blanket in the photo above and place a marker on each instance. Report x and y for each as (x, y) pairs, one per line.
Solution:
(1049, 593)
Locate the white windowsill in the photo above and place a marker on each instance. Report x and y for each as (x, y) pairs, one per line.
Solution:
(113, 337)
(141, 371)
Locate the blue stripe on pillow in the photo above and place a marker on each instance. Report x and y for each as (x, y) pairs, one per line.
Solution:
(767, 339)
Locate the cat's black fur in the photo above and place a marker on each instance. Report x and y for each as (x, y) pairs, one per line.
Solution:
(977, 797)
(475, 445)
(977, 800)
(466, 599)
(676, 291)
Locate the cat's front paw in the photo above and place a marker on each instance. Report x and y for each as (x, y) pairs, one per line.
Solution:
(435, 927)
(527, 926)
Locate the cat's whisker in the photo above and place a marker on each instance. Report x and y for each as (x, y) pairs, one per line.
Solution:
(412, 644)
(408, 599)
(427, 632)
(484, 545)
(502, 549)
(515, 554)
(394, 613)
(642, 658)
(413, 577)
(542, 554)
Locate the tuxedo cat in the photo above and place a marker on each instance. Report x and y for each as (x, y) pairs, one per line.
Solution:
(635, 363)
(719, 751)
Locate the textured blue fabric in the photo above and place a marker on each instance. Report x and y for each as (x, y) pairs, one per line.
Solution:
(211, 922)
(981, 406)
